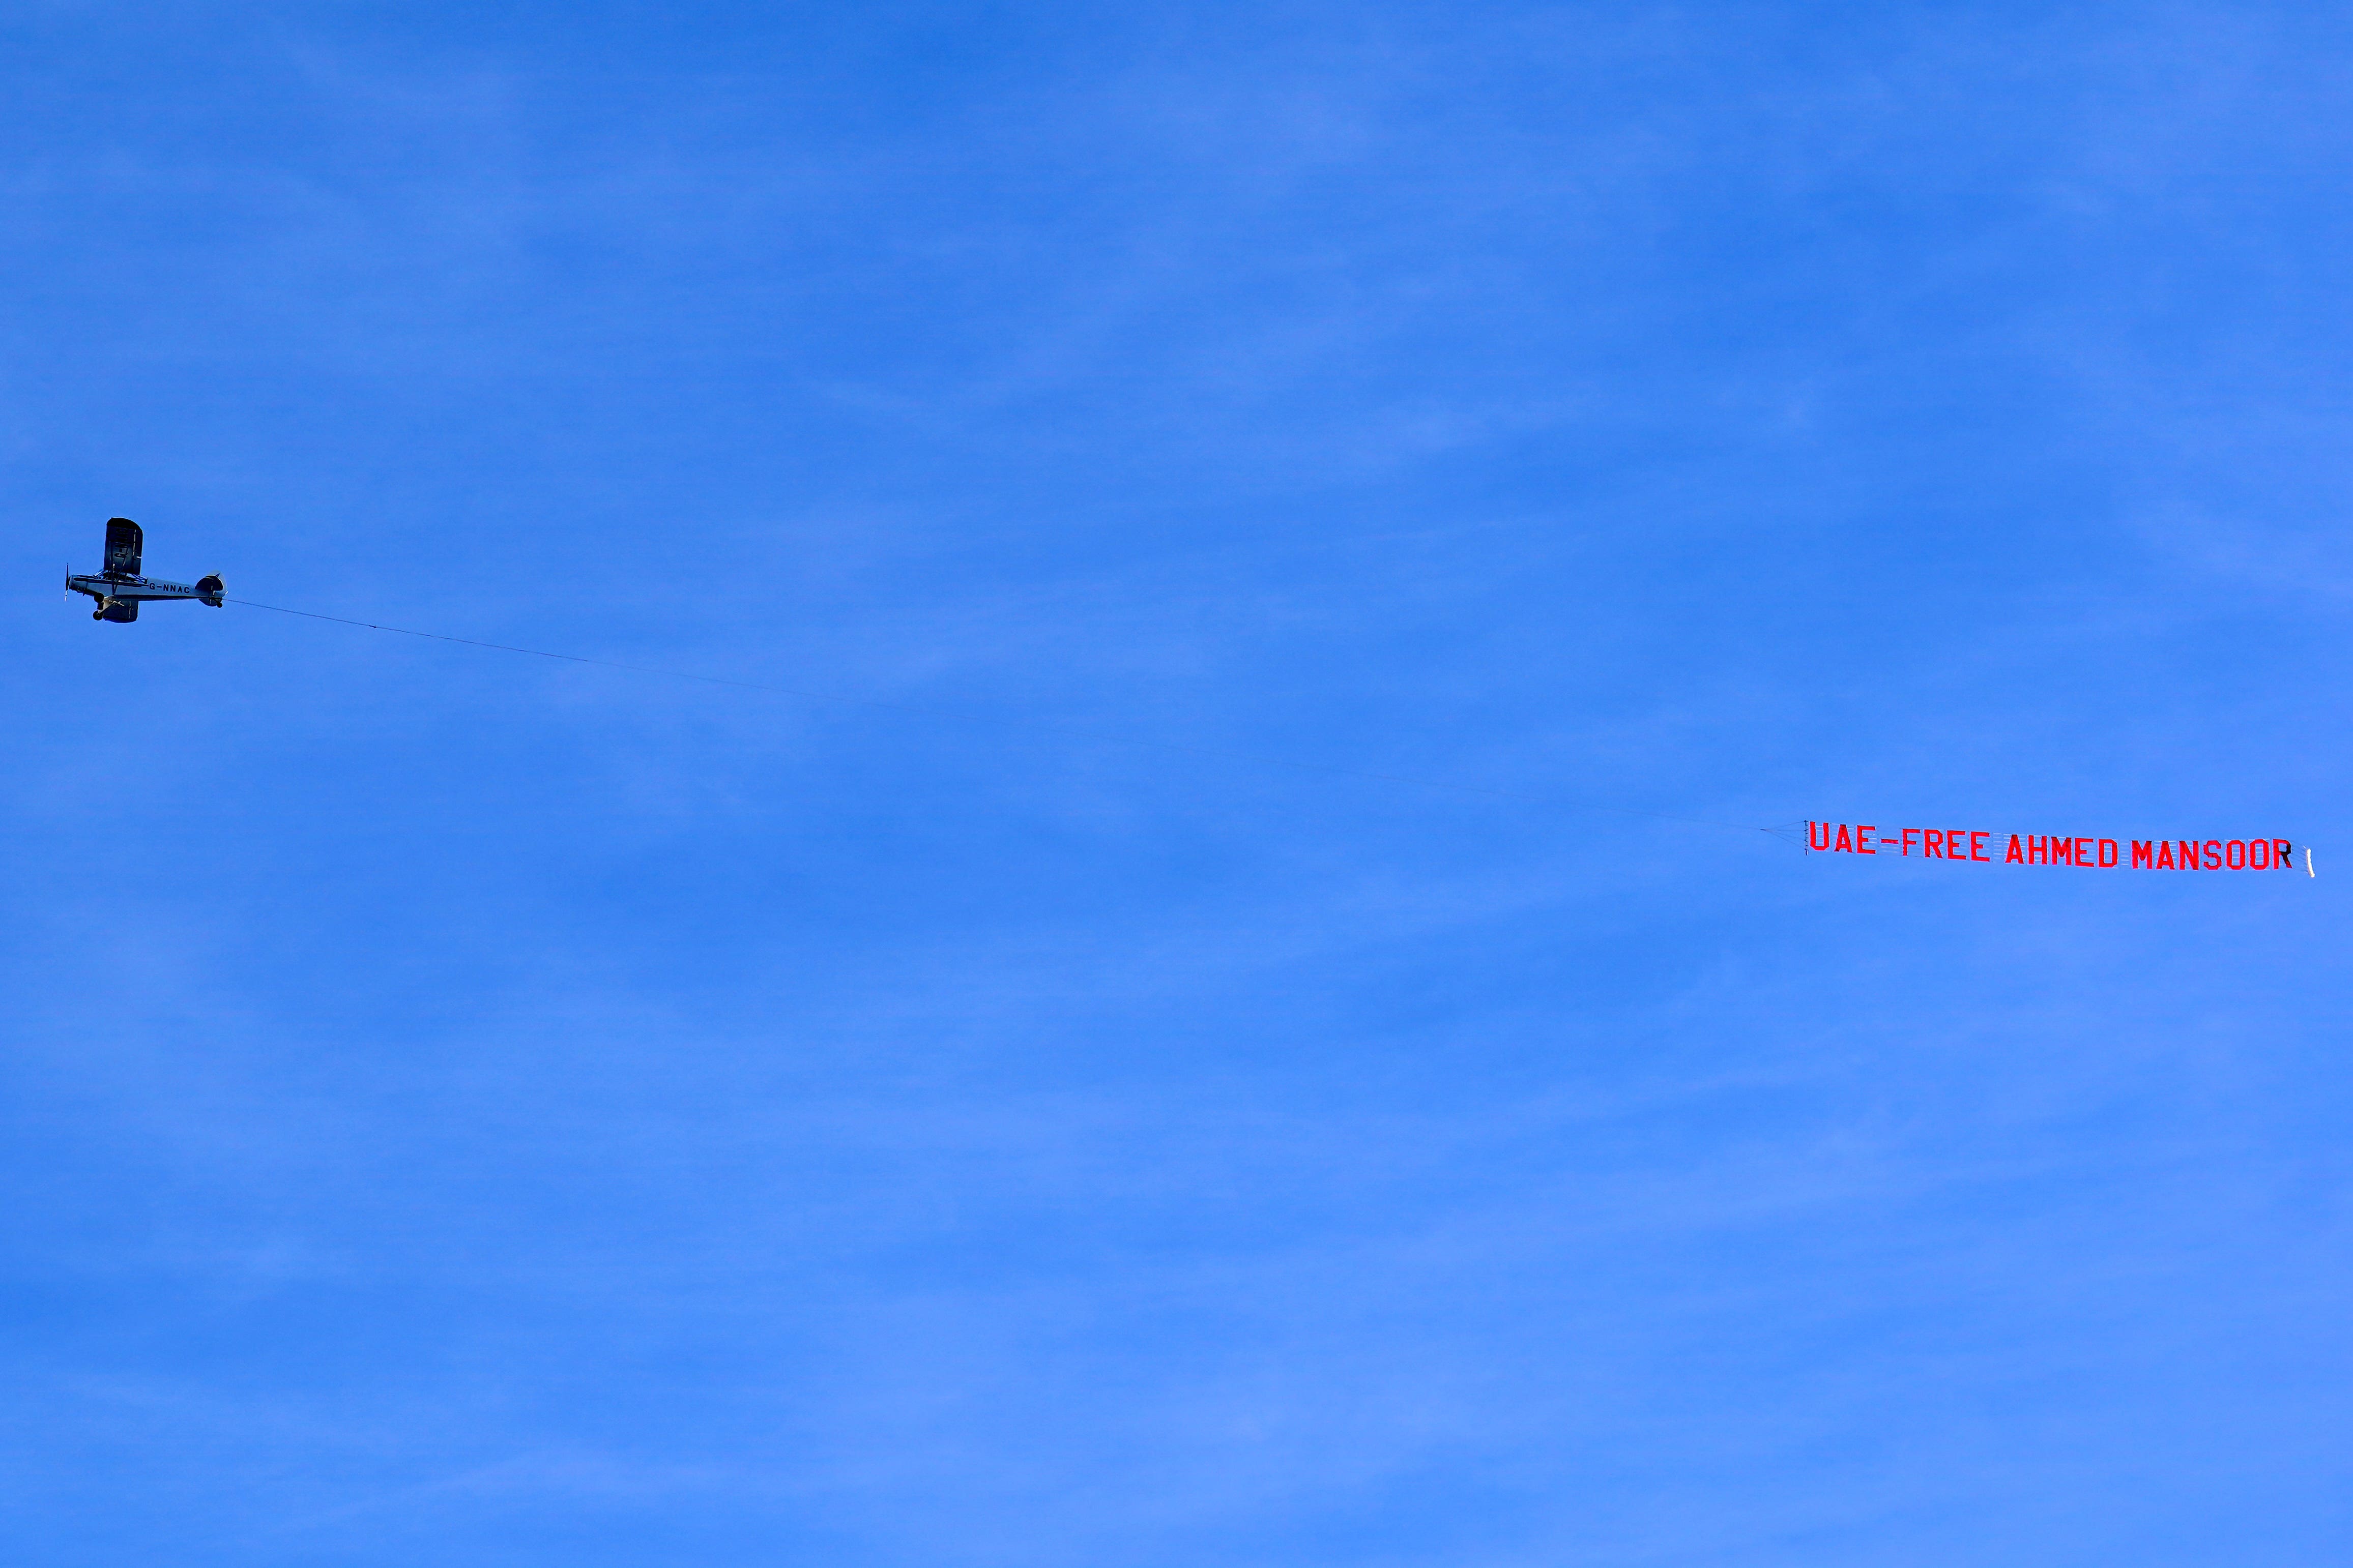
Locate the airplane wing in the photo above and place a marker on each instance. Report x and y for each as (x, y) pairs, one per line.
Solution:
(125, 544)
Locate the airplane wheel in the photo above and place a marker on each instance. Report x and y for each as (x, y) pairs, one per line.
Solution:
(98, 615)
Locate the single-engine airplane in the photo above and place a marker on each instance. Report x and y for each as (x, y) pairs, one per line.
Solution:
(119, 590)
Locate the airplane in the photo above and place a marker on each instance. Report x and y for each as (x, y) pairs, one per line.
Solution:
(119, 590)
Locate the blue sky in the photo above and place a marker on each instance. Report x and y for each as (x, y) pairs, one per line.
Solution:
(468, 1109)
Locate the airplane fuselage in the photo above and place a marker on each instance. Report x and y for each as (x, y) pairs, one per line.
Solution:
(130, 590)
(120, 594)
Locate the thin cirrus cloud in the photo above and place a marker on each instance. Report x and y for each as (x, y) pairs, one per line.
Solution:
(1153, 1056)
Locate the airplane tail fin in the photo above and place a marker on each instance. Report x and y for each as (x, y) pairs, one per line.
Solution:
(209, 588)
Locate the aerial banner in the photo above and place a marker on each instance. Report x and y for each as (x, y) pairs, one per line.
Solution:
(2057, 850)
